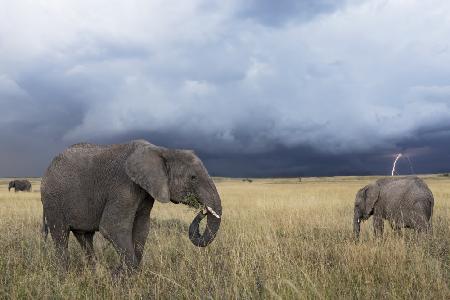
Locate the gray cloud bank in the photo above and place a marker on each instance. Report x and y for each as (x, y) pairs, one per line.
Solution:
(287, 88)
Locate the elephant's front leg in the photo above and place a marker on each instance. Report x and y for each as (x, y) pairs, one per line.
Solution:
(141, 227)
(116, 226)
(378, 225)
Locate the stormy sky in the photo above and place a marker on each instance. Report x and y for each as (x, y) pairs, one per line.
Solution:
(255, 87)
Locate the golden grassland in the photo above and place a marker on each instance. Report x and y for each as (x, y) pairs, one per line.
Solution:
(279, 238)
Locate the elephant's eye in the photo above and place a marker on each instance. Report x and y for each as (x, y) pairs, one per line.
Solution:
(193, 177)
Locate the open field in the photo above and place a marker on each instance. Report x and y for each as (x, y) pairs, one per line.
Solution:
(278, 239)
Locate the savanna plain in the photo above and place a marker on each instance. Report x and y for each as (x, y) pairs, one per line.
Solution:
(279, 239)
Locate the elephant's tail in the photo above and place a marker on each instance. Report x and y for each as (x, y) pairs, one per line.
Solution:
(44, 227)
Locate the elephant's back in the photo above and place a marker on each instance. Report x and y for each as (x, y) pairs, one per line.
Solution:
(78, 165)
(417, 191)
(78, 181)
(78, 162)
(408, 197)
(25, 185)
(405, 185)
(25, 182)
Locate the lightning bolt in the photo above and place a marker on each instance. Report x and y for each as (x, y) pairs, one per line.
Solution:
(395, 162)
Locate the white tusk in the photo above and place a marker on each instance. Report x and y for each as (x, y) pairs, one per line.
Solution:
(359, 221)
(213, 212)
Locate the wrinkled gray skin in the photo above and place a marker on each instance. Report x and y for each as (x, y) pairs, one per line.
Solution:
(20, 185)
(406, 202)
(112, 188)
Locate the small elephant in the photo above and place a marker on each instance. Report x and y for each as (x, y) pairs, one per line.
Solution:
(20, 185)
(112, 188)
(406, 202)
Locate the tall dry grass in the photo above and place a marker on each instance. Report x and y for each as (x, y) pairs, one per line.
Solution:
(278, 239)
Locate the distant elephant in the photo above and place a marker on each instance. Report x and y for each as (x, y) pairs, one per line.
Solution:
(112, 188)
(406, 202)
(20, 185)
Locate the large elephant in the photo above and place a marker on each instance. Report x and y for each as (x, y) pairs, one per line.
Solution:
(112, 188)
(20, 185)
(406, 202)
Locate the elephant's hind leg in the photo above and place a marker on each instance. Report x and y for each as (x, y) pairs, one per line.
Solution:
(420, 220)
(60, 236)
(86, 240)
(422, 225)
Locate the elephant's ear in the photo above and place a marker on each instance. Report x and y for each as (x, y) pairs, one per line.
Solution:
(371, 193)
(146, 167)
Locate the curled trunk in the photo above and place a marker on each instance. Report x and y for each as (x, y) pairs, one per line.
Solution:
(212, 226)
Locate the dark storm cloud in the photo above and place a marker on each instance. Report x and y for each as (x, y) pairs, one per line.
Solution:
(425, 153)
(256, 88)
(429, 151)
(37, 112)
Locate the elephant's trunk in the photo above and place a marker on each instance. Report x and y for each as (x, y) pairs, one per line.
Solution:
(212, 226)
(356, 224)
